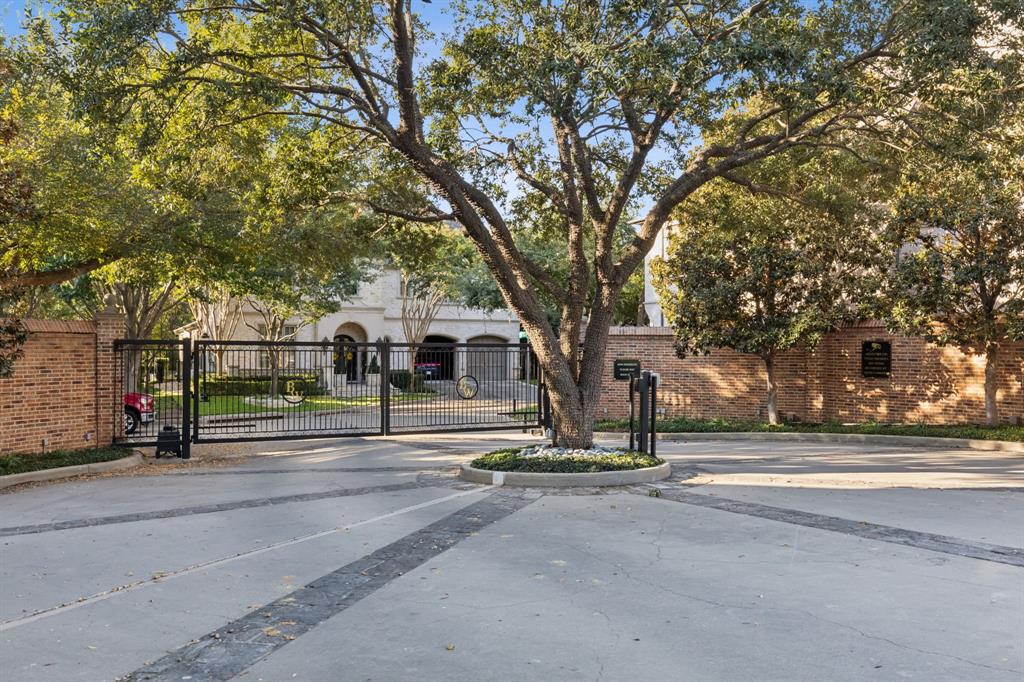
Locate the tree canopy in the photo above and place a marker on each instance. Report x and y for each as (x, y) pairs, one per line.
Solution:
(584, 113)
(774, 259)
(957, 224)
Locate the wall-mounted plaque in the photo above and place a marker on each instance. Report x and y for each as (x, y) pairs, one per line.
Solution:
(876, 359)
(625, 369)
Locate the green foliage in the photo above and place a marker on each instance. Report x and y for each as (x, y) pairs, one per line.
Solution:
(20, 463)
(959, 224)
(12, 339)
(431, 257)
(629, 311)
(510, 460)
(773, 260)
(686, 425)
(405, 380)
(305, 384)
(559, 117)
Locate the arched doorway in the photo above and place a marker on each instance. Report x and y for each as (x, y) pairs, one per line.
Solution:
(491, 359)
(437, 361)
(349, 354)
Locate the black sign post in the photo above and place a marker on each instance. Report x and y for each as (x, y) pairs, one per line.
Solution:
(645, 406)
(628, 369)
(632, 414)
(876, 359)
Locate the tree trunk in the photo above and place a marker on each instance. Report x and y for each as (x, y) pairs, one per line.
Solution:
(991, 384)
(132, 369)
(773, 389)
(575, 393)
(275, 373)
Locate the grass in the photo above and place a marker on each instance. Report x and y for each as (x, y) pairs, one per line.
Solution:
(17, 464)
(527, 415)
(237, 405)
(509, 459)
(684, 425)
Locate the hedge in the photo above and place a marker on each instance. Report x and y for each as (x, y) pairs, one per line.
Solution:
(306, 384)
(405, 380)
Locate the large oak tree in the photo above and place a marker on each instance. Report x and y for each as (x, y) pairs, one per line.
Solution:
(587, 112)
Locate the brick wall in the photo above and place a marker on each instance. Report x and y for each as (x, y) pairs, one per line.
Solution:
(928, 383)
(62, 391)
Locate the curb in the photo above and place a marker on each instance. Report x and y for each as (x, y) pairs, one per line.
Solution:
(868, 439)
(132, 460)
(586, 480)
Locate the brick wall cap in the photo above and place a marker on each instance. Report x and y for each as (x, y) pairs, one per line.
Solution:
(60, 326)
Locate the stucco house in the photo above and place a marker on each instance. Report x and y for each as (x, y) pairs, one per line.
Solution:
(375, 313)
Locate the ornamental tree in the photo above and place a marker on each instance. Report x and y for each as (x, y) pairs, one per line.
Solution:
(959, 278)
(762, 269)
(587, 113)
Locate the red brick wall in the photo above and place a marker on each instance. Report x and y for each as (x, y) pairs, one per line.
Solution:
(60, 395)
(928, 383)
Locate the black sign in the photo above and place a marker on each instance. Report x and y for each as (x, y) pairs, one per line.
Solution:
(876, 359)
(625, 369)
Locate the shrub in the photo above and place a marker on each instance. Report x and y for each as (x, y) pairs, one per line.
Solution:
(405, 380)
(306, 384)
(20, 463)
(686, 425)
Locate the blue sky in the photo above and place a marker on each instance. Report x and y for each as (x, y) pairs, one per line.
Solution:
(11, 13)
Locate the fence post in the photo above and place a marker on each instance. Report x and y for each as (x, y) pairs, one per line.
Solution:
(654, 413)
(540, 389)
(186, 398)
(632, 414)
(198, 362)
(645, 383)
(384, 350)
(547, 412)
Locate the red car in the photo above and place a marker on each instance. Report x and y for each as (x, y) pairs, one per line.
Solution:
(138, 409)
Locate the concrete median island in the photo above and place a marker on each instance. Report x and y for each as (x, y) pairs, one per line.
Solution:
(543, 465)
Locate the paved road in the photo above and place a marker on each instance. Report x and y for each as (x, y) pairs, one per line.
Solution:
(364, 559)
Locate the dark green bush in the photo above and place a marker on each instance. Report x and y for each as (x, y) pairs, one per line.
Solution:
(685, 425)
(259, 385)
(405, 380)
(16, 464)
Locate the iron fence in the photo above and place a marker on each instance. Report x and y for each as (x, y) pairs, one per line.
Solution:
(258, 390)
(153, 389)
(461, 387)
(263, 390)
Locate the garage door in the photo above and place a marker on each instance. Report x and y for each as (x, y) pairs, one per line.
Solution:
(487, 361)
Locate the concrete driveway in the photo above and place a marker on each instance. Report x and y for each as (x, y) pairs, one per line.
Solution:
(365, 559)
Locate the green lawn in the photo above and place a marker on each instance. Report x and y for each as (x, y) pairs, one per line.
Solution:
(683, 425)
(236, 404)
(17, 464)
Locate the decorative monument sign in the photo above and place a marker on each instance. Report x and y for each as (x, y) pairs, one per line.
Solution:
(876, 359)
(625, 369)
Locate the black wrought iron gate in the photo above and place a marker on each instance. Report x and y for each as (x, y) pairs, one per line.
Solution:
(216, 391)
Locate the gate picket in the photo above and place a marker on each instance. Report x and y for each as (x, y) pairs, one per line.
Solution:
(217, 391)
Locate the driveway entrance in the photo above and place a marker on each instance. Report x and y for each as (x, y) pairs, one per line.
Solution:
(263, 390)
